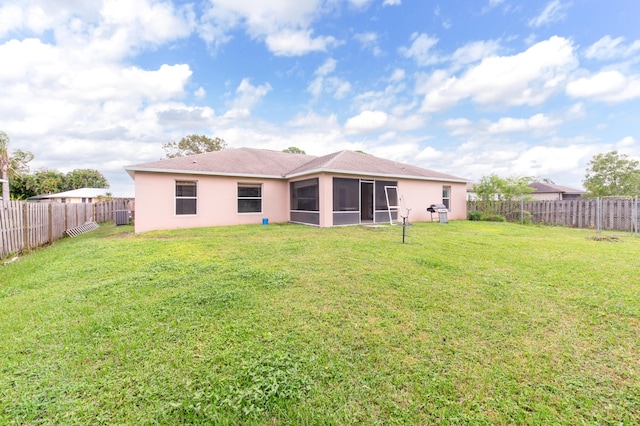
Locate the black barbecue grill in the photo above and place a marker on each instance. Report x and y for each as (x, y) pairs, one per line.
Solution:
(442, 211)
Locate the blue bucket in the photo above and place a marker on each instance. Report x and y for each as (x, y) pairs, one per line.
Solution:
(265, 220)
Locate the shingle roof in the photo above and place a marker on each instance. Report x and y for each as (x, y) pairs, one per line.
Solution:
(360, 163)
(235, 161)
(277, 164)
(550, 187)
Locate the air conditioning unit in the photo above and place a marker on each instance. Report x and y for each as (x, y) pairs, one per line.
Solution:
(121, 217)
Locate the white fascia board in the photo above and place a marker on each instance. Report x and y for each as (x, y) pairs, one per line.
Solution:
(199, 172)
(381, 175)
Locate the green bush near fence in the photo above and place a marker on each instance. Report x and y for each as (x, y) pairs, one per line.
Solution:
(488, 217)
(469, 323)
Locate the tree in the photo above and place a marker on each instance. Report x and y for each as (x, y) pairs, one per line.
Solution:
(193, 144)
(294, 150)
(20, 162)
(495, 188)
(84, 178)
(18, 175)
(46, 182)
(5, 164)
(612, 174)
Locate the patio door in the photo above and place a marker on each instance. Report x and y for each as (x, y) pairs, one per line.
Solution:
(366, 201)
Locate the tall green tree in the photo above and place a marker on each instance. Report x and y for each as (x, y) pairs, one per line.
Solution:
(84, 178)
(612, 174)
(46, 181)
(193, 144)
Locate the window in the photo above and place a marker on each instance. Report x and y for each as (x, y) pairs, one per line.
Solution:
(446, 196)
(186, 197)
(249, 198)
(346, 194)
(304, 195)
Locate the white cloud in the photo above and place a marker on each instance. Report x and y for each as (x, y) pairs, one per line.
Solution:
(248, 95)
(626, 142)
(391, 2)
(366, 121)
(359, 3)
(554, 11)
(284, 26)
(474, 52)
(458, 126)
(338, 87)
(607, 86)
(200, 92)
(534, 123)
(421, 49)
(544, 161)
(369, 40)
(430, 154)
(608, 48)
(445, 22)
(311, 120)
(398, 75)
(297, 43)
(527, 78)
(327, 67)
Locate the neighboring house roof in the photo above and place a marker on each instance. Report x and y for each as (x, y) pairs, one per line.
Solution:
(75, 193)
(540, 187)
(276, 164)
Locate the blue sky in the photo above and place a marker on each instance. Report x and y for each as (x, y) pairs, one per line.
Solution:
(526, 88)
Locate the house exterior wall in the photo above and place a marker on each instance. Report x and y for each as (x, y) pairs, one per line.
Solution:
(546, 195)
(217, 201)
(417, 195)
(70, 200)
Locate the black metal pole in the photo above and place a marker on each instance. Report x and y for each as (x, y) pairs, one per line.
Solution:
(404, 228)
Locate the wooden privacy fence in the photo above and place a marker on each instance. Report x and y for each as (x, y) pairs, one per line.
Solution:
(600, 213)
(25, 226)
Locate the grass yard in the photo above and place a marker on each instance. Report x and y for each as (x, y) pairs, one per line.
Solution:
(469, 323)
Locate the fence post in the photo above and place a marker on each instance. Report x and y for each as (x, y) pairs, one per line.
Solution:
(50, 213)
(635, 215)
(25, 226)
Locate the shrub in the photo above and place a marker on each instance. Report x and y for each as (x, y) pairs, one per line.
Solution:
(474, 215)
(519, 216)
(494, 218)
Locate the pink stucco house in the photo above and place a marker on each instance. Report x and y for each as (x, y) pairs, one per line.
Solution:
(247, 186)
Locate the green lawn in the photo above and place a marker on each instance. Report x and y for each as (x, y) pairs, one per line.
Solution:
(468, 323)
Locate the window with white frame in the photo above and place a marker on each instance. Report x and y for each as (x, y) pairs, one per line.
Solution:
(249, 198)
(186, 197)
(446, 196)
